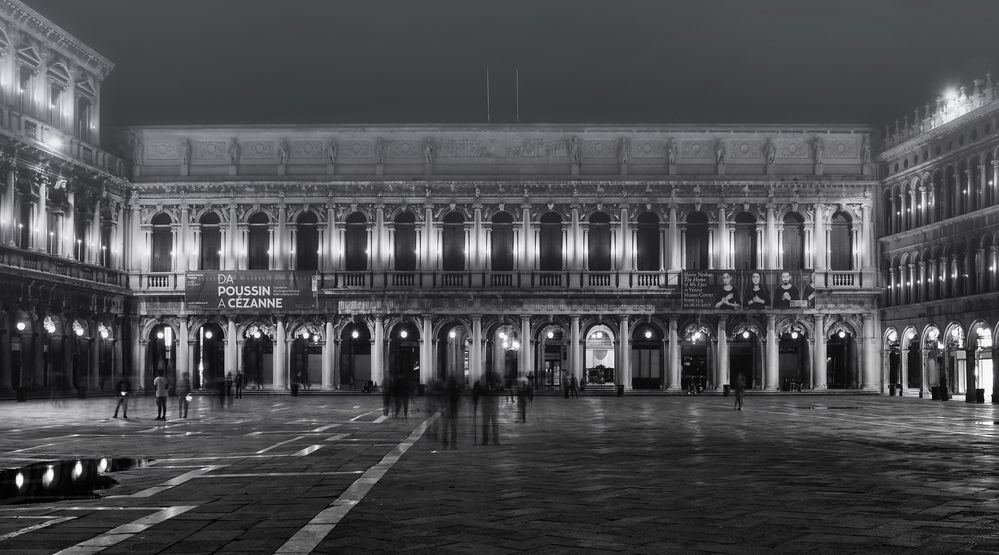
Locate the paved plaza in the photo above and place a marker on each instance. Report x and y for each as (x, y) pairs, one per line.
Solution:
(650, 474)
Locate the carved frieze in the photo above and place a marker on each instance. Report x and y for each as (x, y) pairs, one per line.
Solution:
(258, 150)
(210, 150)
(306, 149)
(356, 150)
(648, 149)
(741, 149)
(163, 150)
(703, 149)
(600, 149)
(842, 148)
(790, 148)
(405, 149)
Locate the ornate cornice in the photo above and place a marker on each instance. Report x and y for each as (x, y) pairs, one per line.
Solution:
(53, 36)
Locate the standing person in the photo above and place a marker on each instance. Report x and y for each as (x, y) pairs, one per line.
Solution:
(160, 383)
(740, 390)
(228, 387)
(574, 387)
(566, 386)
(183, 393)
(490, 408)
(387, 390)
(124, 390)
(239, 385)
(220, 389)
(452, 398)
(477, 391)
(522, 398)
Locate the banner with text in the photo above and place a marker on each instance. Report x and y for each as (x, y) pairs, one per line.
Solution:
(251, 290)
(747, 289)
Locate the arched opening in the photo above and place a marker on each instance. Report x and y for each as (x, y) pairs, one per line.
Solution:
(974, 185)
(745, 355)
(355, 256)
(962, 197)
(695, 359)
(937, 199)
(258, 242)
(355, 355)
(952, 377)
(647, 361)
(988, 195)
(951, 193)
(794, 359)
(162, 248)
(22, 346)
(405, 242)
(697, 249)
(453, 239)
(453, 343)
(501, 239)
(210, 247)
(598, 255)
(79, 357)
(893, 352)
(600, 356)
(648, 247)
(841, 360)
(161, 355)
(550, 243)
(887, 212)
(504, 350)
(745, 247)
(913, 358)
(981, 377)
(841, 242)
(258, 356)
(209, 356)
(933, 346)
(307, 356)
(907, 211)
(553, 346)
(794, 242)
(307, 242)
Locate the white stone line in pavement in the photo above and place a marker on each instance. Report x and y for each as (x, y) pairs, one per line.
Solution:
(173, 482)
(33, 447)
(380, 419)
(307, 451)
(313, 533)
(125, 531)
(51, 520)
(360, 415)
(336, 437)
(279, 444)
(326, 427)
(280, 474)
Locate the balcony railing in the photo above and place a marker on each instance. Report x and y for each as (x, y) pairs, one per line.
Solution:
(45, 263)
(564, 280)
(846, 279)
(58, 140)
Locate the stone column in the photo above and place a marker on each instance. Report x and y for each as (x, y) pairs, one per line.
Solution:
(95, 363)
(280, 346)
(819, 241)
(674, 355)
(477, 369)
(870, 356)
(526, 241)
(722, 365)
(674, 240)
(231, 342)
(771, 247)
(575, 247)
(41, 231)
(868, 246)
(903, 368)
(279, 258)
(624, 252)
(924, 206)
(722, 239)
(9, 215)
(328, 262)
(992, 261)
(772, 371)
(183, 256)
(970, 362)
(378, 353)
(327, 354)
(141, 355)
(184, 351)
(426, 351)
(526, 360)
(231, 261)
(624, 373)
(575, 362)
(5, 362)
(819, 377)
(925, 363)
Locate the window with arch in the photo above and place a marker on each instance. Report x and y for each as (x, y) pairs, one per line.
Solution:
(210, 249)
(550, 243)
(953, 193)
(104, 252)
(405, 242)
(841, 242)
(598, 255)
(501, 239)
(307, 241)
(25, 80)
(648, 248)
(697, 242)
(162, 248)
(355, 255)
(974, 185)
(745, 245)
(794, 242)
(988, 197)
(938, 198)
(887, 212)
(58, 78)
(258, 242)
(453, 238)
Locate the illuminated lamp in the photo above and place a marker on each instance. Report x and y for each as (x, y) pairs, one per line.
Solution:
(77, 470)
(256, 335)
(551, 335)
(208, 335)
(794, 335)
(451, 334)
(842, 334)
(745, 335)
(696, 336)
(102, 466)
(159, 335)
(48, 477)
(19, 480)
(21, 326)
(355, 334)
(404, 334)
(648, 334)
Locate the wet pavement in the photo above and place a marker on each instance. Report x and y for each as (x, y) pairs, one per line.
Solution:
(651, 474)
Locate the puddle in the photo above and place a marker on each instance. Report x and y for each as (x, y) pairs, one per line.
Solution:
(45, 482)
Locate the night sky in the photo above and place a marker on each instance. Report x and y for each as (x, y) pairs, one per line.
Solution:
(581, 61)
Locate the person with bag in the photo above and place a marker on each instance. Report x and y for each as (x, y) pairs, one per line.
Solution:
(124, 390)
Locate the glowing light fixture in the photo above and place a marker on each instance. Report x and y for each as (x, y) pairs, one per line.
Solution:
(745, 335)
(794, 335)
(208, 335)
(648, 334)
(159, 335)
(77, 470)
(48, 476)
(102, 466)
(19, 480)
(21, 326)
(256, 335)
(551, 335)
(842, 334)
(451, 334)
(696, 336)
(404, 334)
(355, 334)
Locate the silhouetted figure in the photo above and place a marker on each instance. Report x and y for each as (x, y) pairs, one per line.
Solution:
(124, 390)
(740, 390)
(490, 409)
(183, 395)
(452, 401)
(574, 387)
(228, 387)
(387, 391)
(523, 397)
(220, 389)
(239, 385)
(161, 385)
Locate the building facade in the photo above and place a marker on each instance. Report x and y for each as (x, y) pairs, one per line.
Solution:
(62, 298)
(939, 219)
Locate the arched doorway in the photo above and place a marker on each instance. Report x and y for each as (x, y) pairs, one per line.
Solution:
(909, 345)
(258, 355)
(841, 359)
(980, 340)
(955, 360)
(600, 356)
(553, 355)
(793, 357)
(504, 351)
(355, 355)
(745, 354)
(647, 362)
(892, 351)
(161, 354)
(307, 355)
(22, 350)
(307, 242)
(453, 341)
(695, 363)
(209, 356)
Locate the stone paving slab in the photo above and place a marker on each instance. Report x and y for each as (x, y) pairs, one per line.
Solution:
(650, 474)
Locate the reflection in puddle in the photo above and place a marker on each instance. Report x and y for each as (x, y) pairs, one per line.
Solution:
(51, 481)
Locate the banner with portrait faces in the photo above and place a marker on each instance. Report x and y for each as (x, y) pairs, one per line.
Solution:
(747, 290)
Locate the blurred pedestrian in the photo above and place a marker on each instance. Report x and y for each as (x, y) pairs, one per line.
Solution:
(239, 385)
(523, 396)
(740, 390)
(574, 387)
(161, 385)
(387, 391)
(228, 387)
(220, 389)
(452, 401)
(124, 390)
(490, 409)
(183, 395)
